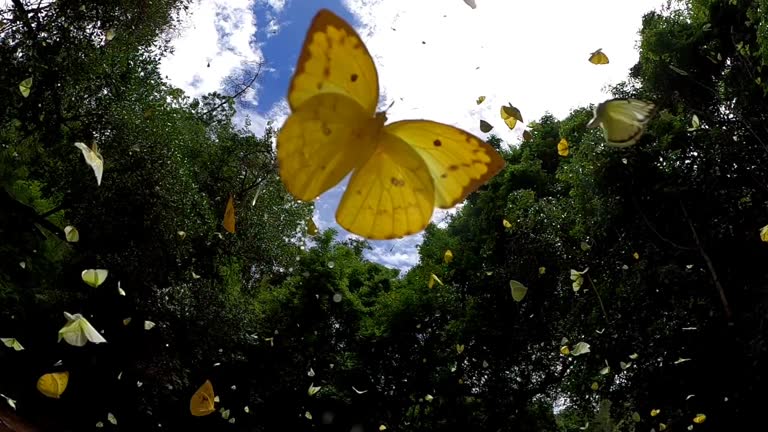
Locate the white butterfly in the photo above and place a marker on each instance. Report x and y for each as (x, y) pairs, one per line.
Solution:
(622, 120)
(93, 158)
(471, 3)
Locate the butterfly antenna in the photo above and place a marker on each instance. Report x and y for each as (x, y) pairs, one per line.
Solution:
(390, 106)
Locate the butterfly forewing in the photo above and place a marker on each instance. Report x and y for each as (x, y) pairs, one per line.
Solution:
(624, 120)
(458, 161)
(321, 142)
(334, 60)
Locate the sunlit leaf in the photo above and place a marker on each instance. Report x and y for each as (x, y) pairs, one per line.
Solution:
(94, 277)
(71, 234)
(53, 384)
(12, 343)
(25, 87)
(562, 147)
(518, 290)
(485, 127)
(580, 348)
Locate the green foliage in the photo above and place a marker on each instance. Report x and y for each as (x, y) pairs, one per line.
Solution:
(266, 312)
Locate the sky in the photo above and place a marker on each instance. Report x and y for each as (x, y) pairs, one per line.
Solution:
(434, 58)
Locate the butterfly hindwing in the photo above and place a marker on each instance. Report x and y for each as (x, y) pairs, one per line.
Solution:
(458, 161)
(321, 142)
(392, 195)
(334, 60)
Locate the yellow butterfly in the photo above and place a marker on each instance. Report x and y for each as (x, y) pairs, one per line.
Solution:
(598, 57)
(562, 147)
(400, 171)
(510, 115)
(229, 215)
(53, 384)
(202, 401)
(623, 120)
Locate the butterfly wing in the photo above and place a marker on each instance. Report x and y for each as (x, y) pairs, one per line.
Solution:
(333, 97)
(598, 57)
(458, 161)
(321, 142)
(623, 120)
(229, 215)
(201, 403)
(391, 195)
(334, 60)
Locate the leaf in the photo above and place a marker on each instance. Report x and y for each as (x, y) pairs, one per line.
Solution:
(518, 290)
(25, 87)
(485, 127)
(580, 348)
(480, 99)
(71, 234)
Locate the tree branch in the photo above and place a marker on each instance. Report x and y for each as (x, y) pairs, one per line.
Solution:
(710, 266)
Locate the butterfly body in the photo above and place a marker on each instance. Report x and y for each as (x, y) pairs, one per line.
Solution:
(399, 171)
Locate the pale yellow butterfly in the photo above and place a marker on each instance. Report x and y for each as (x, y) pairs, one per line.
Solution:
(400, 172)
(623, 120)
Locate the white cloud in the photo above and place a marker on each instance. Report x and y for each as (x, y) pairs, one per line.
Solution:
(530, 53)
(219, 33)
